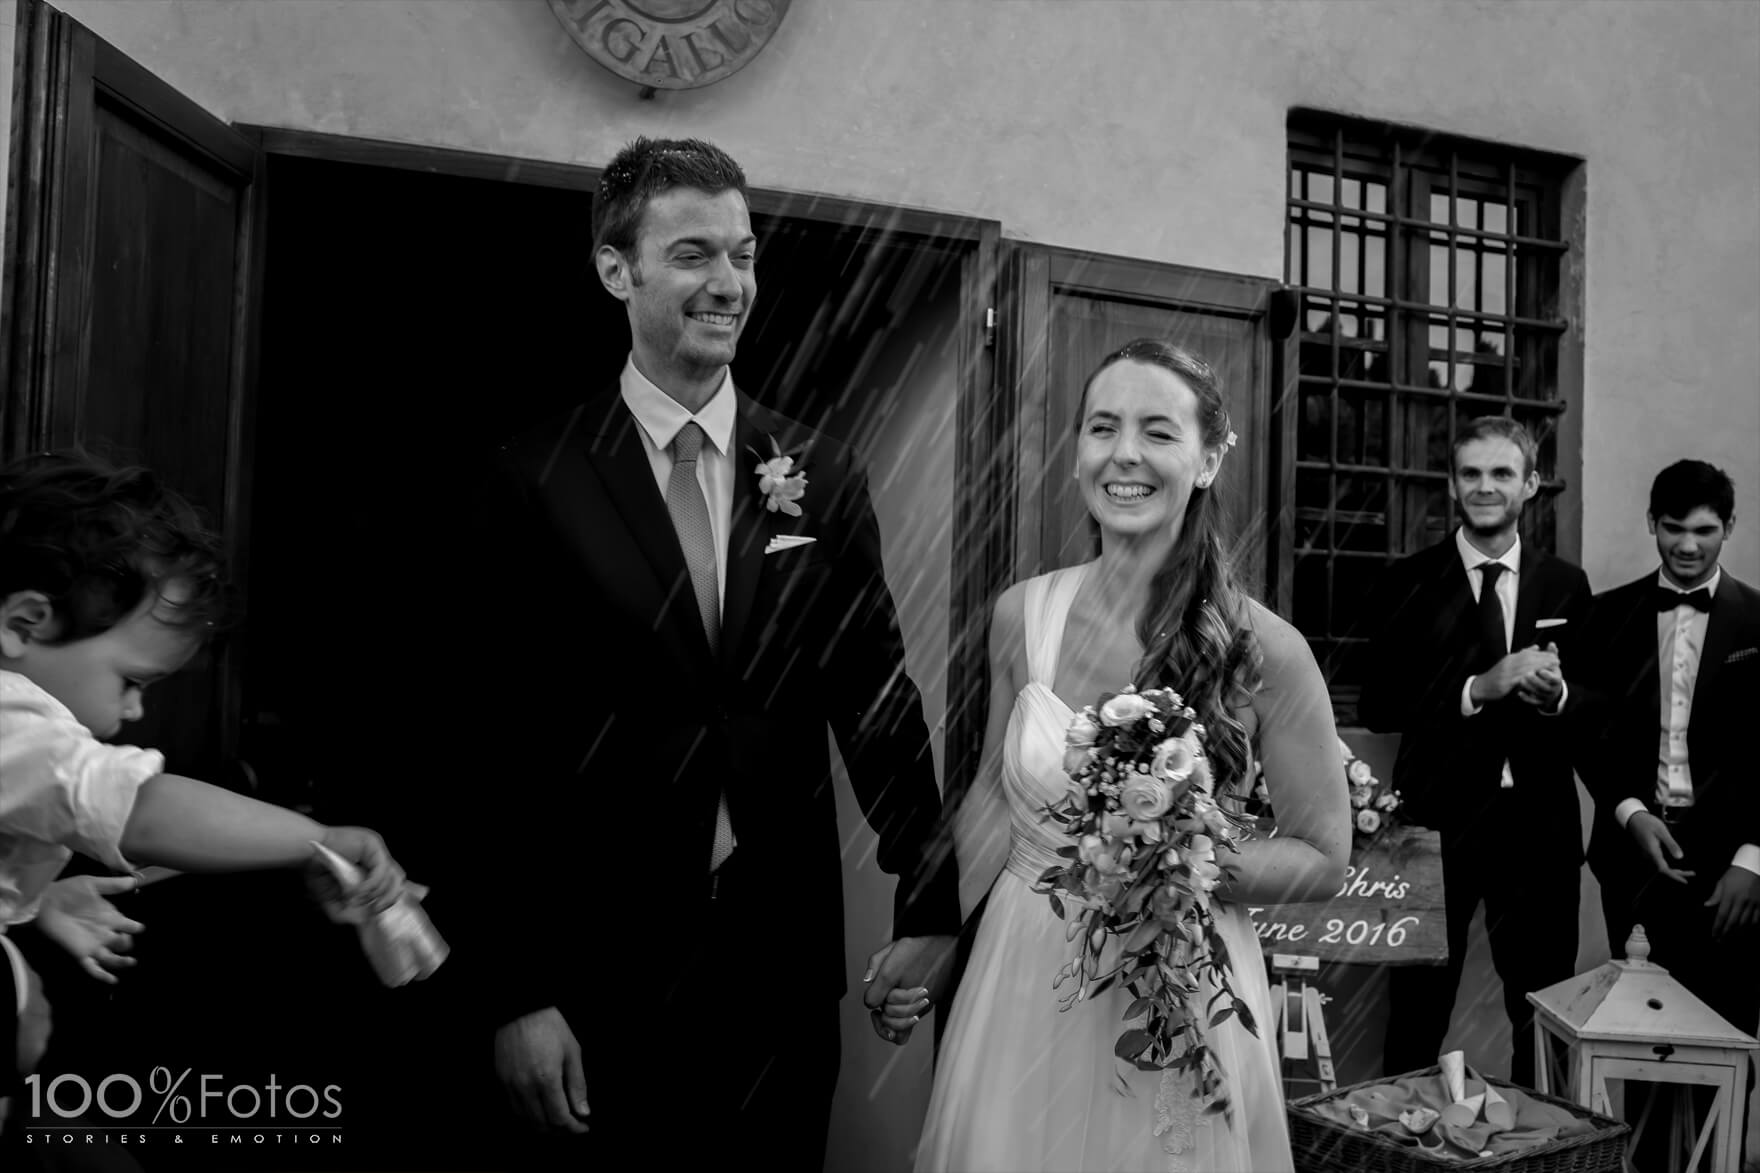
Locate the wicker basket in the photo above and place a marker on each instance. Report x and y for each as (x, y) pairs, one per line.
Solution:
(1322, 1145)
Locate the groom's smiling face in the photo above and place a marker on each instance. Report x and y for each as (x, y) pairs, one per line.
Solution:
(692, 283)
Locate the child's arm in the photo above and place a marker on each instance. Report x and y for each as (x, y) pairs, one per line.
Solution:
(181, 823)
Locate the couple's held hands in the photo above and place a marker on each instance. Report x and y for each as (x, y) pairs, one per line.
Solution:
(903, 980)
(1736, 897)
(538, 1062)
(76, 914)
(1534, 674)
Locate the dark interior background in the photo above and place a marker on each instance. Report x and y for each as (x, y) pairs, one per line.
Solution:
(410, 321)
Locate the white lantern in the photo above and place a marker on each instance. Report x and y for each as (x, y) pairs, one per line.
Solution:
(1629, 1021)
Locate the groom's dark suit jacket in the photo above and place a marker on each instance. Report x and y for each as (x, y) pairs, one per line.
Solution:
(1428, 642)
(1622, 724)
(618, 729)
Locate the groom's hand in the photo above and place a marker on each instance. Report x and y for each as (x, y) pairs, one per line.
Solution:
(903, 980)
(539, 1064)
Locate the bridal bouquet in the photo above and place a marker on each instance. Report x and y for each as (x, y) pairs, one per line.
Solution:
(1135, 886)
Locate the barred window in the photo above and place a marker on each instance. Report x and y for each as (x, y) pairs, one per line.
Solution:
(1428, 273)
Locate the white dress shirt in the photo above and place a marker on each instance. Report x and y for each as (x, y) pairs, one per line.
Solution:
(1474, 559)
(661, 416)
(1680, 638)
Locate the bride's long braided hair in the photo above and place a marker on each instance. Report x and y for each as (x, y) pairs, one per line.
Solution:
(1193, 630)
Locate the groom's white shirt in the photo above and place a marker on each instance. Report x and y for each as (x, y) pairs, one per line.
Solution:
(660, 417)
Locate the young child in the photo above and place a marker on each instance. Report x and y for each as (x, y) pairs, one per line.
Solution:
(108, 583)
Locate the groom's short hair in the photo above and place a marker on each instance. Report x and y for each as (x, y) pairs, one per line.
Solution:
(648, 167)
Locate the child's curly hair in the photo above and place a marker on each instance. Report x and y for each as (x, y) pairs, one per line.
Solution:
(97, 539)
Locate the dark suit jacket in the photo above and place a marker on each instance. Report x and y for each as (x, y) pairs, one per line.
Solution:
(618, 729)
(1425, 645)
(1621, 722)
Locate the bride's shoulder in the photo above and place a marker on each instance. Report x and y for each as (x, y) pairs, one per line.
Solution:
(1008, 616)
(1282, 646)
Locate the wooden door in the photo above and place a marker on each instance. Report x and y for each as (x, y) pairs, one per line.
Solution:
(1062, 312)
(126, 313)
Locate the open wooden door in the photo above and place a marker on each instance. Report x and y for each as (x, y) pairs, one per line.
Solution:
(1062, 312)
(126, 322)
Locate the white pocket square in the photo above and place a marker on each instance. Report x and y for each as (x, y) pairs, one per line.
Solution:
(787, 542)
(1550, 622)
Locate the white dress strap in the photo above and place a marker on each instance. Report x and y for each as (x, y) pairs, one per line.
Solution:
(1047, 606)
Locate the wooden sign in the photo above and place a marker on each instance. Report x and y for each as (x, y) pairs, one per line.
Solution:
(1389, 910)
(671, 44)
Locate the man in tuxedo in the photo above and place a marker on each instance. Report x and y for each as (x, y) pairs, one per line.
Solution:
(693, 593)
(1467, 665)
(1673, 688)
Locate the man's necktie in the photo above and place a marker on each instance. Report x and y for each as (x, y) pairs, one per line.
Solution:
(1491, 612)
(690, 517)
(1667, 598)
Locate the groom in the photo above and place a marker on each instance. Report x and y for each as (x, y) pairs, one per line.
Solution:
(695, 595)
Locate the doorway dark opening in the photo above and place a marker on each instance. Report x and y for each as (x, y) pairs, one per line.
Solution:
(410, 321)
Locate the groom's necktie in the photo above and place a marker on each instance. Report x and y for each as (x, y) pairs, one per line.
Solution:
(690, 517)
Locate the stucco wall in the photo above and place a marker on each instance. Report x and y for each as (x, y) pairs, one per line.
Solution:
(1148, 127)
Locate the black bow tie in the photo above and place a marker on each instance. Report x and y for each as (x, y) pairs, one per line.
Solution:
(1667, 598)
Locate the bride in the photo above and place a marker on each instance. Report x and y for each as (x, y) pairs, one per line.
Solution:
(1019, 1085)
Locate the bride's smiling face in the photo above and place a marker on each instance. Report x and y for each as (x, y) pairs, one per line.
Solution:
(1141, 449)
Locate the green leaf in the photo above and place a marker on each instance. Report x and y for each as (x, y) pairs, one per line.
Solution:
(1221, 1016)
(1132, 1043)
(1057, 907)
(1137, 1009)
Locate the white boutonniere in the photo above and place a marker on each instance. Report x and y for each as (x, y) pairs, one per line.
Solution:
(782, 484)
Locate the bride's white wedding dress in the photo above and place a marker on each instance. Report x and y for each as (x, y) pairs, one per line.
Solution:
(1021, 1086)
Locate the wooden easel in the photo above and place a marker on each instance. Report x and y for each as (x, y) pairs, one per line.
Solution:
(1298, 1020)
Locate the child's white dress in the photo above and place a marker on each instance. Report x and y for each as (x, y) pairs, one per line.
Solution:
(61, 791)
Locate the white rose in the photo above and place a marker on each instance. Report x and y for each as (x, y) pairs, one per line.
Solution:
(1174, 759)
(1359, 773)
(1387, 802)
(1082, 731)
(1145, 797)
(1125, 708)
(1075, 760)
(1344, 751)
(1361, 796)
(1368, 822)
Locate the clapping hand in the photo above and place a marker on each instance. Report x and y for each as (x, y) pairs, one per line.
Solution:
(1517, 669)
(903, 980)
(75, 915)
(1543, 687)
